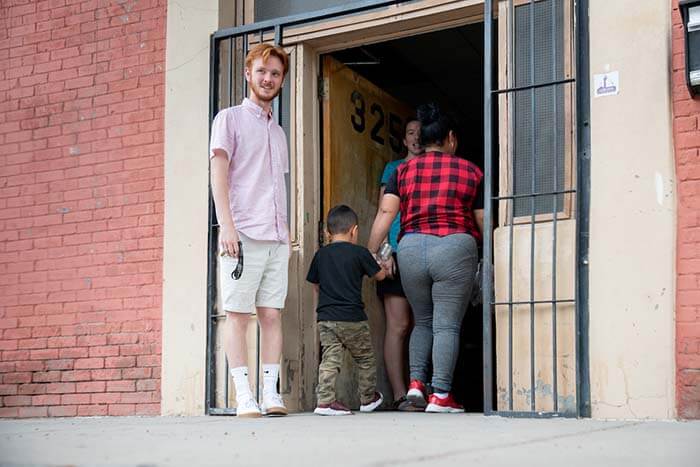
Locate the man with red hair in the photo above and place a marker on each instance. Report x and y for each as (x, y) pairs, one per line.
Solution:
(248, 154)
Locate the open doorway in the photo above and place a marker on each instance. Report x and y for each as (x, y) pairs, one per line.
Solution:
(364, 117)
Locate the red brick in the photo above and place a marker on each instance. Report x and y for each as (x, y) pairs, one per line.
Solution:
(32, 366)
(122, 409)
(8, 389)
(17, 333)
(76, 375)
(14, 401)
(121, 362)
(92, 340)
(75, 399)
(64, 364)
(39, 343)
(46, 399)
(89, 363)
(136, 373)
(44, 354)
(17, 378)
(138, 398)
(92, 386)
(47, 377)
(32, 388)
(32, 412)
(9, 412)
(92, 410)
(105, 351)
(60, 388)
(83, 77)
(107, 374)
(147, 385)
(106, 398)
(63, 411)
(121, 386)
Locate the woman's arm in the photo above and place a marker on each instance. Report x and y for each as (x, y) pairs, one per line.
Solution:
(388, 209)
(479, 217)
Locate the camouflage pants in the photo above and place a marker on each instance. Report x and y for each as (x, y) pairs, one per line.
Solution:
(355, 337)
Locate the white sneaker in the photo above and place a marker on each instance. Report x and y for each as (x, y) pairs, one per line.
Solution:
(334, 408)
(273, 405)
(247, 408)
(373, 404)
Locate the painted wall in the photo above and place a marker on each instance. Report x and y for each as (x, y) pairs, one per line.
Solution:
(81, 207)
(686, 112)
(190, 23)
(633, 214)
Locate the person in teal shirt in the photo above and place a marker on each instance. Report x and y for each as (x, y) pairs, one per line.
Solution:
(390, 291)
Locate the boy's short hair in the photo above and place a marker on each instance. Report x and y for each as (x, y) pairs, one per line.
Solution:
(265, 51)
(341, 219)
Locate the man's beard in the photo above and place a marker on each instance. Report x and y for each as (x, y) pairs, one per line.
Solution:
(255, 89)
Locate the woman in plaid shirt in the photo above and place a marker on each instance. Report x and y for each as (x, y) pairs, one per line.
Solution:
(440, 198)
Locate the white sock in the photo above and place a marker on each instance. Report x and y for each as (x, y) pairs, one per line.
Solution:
(441, 395)
(271, 372)
(240, 380)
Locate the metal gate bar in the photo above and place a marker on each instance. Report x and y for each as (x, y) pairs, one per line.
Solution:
(583, 177)
(582, 193)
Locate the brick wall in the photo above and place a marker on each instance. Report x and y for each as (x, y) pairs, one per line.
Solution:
(81, 206)
(687, 144)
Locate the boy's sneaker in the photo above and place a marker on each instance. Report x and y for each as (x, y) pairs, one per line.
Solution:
(447, 404)
(334, 408)
(248, 408)
(273, 405)
(373, 404)
(417, 393)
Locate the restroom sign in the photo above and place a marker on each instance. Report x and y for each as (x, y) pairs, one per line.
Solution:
(606, 84)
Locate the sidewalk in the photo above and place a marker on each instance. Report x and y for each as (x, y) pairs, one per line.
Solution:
(379, 439)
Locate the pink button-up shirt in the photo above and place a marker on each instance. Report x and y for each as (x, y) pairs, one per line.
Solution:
(256, 147)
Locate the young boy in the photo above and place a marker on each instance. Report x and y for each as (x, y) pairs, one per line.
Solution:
(336, 272)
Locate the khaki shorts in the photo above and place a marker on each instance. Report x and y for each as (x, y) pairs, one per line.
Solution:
(264, 279)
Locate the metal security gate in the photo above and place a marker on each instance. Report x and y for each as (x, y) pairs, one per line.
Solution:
(516, 203)
(538, 113)
(227, 86)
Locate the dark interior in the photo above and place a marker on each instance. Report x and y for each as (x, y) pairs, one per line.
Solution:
(446, 67)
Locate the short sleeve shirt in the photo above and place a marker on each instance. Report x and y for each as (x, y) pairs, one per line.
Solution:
(338, 269)
(389, 169)
(256, 147)
(438, 193)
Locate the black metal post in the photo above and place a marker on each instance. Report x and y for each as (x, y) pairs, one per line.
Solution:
(583, 387)
(487, 277)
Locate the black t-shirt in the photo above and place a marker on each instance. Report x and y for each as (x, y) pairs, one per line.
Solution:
(338, 268)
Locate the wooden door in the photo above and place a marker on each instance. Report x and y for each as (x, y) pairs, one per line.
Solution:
(363, 128)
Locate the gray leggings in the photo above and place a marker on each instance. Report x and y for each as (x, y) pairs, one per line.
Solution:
(437, 274)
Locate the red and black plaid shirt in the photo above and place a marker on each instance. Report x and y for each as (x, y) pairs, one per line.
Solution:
(438, 194)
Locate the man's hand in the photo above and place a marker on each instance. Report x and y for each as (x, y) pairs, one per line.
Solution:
(228, 241)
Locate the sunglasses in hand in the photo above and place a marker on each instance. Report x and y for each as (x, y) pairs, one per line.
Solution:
(236, 273)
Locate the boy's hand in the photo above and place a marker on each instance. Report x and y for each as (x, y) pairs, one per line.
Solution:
(389, 267)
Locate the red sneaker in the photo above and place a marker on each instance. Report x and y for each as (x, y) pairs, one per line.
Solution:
(334, 408)
(417, 393)
(443, 405)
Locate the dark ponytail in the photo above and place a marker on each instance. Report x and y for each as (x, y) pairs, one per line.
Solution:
(435, 124)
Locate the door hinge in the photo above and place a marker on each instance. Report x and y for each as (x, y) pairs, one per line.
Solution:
(322, 87)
